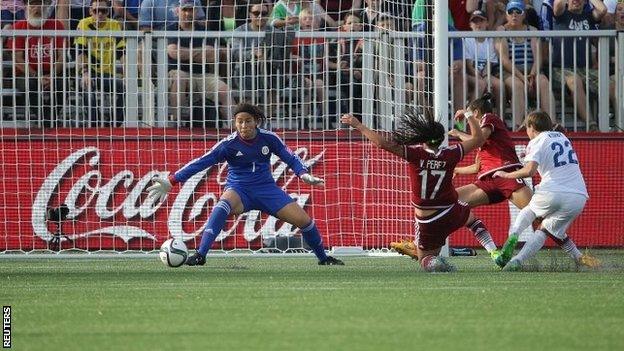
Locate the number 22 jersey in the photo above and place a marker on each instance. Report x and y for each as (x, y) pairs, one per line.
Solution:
(557, 163)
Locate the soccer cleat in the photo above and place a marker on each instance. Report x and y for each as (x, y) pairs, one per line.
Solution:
(588, 260)
(513, 266)
(442, 265)
(506, 251)
(494, 255)
(196, 260)
(331, 261)
(405, 247)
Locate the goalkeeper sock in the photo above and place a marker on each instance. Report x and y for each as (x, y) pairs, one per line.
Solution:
(568, 246)
(482, 234)
(215, 223)
(532, 246)
(312, 237)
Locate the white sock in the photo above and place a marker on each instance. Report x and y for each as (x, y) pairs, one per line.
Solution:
(483, 236)
(570, 247)
(524, 219)
(532, 246)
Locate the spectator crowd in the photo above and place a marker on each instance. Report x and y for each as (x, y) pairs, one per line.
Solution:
(523, 73)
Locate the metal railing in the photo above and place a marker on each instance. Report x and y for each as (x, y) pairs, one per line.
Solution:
(599, 94)
(300, 93)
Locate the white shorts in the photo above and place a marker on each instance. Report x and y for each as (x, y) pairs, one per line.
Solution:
(558, 210)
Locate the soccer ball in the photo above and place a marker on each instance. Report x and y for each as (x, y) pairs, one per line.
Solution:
(173, 252)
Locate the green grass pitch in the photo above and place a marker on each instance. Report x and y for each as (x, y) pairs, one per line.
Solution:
(291, 303)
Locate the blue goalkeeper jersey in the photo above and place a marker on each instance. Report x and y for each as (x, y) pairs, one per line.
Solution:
(248, 160)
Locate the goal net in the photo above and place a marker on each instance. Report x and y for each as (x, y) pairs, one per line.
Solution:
(91, 116)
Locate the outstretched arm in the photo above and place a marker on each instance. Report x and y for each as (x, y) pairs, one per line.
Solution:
(294, 162)
(373, 136)
(476, 134)
(460, 115)
(162, 186)
(472, 169)
(529, 170)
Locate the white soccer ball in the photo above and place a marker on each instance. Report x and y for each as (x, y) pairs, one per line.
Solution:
(173, 252)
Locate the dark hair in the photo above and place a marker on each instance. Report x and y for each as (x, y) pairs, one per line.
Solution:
(483, 104)
(255, 111)
(539, 120)
(414, 128)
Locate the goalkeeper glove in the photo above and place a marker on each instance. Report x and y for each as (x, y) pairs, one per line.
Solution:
(159, 189)
(312, 180)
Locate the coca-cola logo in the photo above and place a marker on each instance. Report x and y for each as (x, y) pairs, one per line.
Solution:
(96, 193)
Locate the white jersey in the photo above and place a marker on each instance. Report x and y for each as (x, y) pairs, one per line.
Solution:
(557, 163)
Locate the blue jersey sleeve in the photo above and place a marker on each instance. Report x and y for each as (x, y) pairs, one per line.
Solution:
(215, 155)
(285, 154)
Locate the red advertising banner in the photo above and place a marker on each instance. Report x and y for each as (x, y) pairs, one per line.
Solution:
(101, 176)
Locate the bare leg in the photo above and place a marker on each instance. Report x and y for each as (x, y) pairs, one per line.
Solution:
(574, 83)
(179, 83)
(472, 195)
(516, 89)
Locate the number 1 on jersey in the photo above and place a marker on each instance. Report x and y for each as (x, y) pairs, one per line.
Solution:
(423, 190)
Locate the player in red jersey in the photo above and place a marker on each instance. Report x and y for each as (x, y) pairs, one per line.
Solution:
(438, 211)
(498, 153)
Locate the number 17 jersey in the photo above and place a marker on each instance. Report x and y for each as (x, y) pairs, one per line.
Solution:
(557, 163)
(431, 175)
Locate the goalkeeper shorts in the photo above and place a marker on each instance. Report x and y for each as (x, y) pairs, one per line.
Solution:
(268, 198)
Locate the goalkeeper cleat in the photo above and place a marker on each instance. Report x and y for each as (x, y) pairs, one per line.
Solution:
(196, 260)
(506, 251)
(405, 247)
(513, 266)
(588, 260)
(331, 261)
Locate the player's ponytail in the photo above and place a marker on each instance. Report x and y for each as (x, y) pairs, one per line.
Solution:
(253, 110)
(483, 104)
(415, 128)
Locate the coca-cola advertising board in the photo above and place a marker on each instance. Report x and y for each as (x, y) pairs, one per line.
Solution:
(101, 176)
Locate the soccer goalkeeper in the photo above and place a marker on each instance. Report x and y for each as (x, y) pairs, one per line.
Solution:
(249, 185)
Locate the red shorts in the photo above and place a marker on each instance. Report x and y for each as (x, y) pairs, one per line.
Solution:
(499, 189)
(432, 231)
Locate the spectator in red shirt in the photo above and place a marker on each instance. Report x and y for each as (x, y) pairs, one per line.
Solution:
(461, 10)
(39, 62)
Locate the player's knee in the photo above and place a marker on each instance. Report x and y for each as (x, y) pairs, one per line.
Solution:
(223, 205)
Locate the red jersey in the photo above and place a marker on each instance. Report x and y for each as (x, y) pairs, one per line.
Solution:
(498, 152)
(310, 50)
(461, 18)
(38, 50)
(431, 175)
